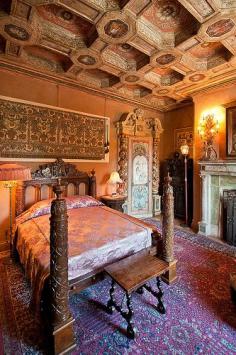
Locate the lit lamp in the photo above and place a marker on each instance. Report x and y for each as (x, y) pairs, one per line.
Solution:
(114, 180)
(184, 150)
(9, 175)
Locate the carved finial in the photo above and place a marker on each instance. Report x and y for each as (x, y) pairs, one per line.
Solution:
(58, 189)
(168, 178)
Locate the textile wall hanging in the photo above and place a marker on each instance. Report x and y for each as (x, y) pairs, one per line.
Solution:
(35, 131)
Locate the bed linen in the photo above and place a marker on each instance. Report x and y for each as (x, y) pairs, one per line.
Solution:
(97, 236)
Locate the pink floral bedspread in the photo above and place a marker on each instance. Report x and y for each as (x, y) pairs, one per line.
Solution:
(97, 236)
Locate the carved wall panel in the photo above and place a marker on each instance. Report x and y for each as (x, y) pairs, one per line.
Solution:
(31, 131)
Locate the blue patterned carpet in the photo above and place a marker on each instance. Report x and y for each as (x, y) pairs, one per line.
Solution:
(200, 318)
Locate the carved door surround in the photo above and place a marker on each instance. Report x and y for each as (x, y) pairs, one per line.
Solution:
(136, 133)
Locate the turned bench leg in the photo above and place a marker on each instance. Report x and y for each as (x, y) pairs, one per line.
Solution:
(158, 295)
(129, 315)
(140, 290)
(160, 305)
(111, 302)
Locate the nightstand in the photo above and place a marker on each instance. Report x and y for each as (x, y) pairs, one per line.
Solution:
(115, 202)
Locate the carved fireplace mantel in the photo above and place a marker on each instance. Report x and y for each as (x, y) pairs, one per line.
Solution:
(216, 176)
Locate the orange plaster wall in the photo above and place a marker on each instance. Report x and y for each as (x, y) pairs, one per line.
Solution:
(175, 119)
(203, 103)
(23, 87)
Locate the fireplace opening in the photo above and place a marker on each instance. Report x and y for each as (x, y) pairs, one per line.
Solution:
(229, 216)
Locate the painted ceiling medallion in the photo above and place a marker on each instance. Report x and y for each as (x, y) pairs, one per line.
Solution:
(163, 92)
(196, 77)
(86, 59)
(131, 78)
(125, 47)
(167, 10)
(165, 59)
(116, 28)
(205, 45)
(16, 32)
(220, 28)
(66, 15)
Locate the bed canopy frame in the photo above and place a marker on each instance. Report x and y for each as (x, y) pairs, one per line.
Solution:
(55, 306)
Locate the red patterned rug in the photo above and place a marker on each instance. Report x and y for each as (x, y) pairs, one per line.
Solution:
(200, 318)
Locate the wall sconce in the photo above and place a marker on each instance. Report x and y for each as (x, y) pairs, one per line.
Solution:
(208, 129)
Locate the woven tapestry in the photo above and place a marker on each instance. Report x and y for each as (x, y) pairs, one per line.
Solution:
(31, 131)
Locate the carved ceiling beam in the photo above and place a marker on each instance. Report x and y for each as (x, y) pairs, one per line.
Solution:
(202, 10)
(156, 52)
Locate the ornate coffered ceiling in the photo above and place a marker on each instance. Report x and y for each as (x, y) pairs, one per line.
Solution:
(155, 53)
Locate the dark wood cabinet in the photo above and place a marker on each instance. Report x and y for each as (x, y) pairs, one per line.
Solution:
(229, 216)
(175, 167)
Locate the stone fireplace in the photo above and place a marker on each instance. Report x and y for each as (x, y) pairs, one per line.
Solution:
(216, 176)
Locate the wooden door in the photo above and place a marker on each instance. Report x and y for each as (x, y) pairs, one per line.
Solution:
(140, 177)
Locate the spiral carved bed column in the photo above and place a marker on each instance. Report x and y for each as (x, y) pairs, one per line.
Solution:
(60, 316)
(123, 161)
(168, 230)
(157, 131)
(20, 197)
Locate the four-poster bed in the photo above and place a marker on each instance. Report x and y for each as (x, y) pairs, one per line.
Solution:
(58, 280)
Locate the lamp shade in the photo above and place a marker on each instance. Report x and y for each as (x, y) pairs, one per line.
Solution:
(14, 172)
(184, 149)
(114, 178)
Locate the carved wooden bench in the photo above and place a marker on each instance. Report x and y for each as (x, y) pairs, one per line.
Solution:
(132, 274)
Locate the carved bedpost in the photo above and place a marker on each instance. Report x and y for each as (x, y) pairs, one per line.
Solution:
(157, 131)
(61, 320)
(20, 197)
(93, 185)
(168, 230)
(123, 161)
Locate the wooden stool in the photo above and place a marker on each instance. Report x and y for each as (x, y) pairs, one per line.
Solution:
(132, 274)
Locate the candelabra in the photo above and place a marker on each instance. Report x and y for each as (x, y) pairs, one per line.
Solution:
(208, 129)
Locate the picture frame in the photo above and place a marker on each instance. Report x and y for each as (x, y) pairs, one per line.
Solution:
(231, 131)
(182, 135)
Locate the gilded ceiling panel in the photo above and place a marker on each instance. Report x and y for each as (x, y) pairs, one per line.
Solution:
(155, 53)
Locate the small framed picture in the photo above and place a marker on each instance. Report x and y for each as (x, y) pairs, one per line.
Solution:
(184, 135)
(231, 131)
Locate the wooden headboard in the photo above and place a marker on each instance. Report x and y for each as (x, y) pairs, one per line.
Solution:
(48, 175)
